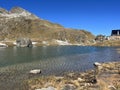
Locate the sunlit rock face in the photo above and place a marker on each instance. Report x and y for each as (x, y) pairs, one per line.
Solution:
(3, 11)
(15, 13)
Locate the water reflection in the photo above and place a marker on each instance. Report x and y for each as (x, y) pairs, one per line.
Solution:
(67, 54)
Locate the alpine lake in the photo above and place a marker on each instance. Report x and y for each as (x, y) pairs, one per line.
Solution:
(15, 62)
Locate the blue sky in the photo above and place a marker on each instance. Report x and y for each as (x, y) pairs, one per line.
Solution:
(96, 16)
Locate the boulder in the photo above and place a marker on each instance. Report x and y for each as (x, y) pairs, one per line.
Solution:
(80, 79)
(97, 64)
(3, 45)
(24, 42)
(35, 71)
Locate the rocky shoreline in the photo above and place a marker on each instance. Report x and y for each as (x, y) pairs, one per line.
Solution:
(11, 43)
(105, 76)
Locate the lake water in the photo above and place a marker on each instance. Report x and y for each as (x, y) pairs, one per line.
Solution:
(15, 63)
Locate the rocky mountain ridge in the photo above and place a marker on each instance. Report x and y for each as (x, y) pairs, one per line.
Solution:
(16, 12)
(18, 23)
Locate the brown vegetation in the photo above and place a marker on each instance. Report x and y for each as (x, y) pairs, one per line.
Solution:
(107, 78)
(108, 43)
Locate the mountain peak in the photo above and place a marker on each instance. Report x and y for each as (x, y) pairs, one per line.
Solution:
(3, 11)
(17, 10)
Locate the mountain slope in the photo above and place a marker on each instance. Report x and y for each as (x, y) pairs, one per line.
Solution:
(20, 23)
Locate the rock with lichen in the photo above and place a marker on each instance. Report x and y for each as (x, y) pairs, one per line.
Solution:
(24, 42)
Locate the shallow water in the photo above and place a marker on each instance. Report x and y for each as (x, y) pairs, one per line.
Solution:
(15, 63)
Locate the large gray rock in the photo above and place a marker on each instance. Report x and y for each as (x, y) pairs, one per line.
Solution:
(24, 42)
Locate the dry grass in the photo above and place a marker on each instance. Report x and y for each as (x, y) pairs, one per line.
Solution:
(107, 79)
(108, 43)
(110, 81)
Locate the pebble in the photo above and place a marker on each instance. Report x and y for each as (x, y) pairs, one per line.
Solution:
(49, 88)
(35, 71)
